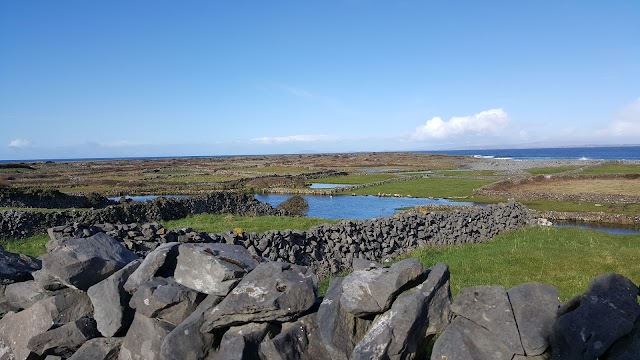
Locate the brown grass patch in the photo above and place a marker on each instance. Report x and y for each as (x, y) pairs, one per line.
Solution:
(619, 186)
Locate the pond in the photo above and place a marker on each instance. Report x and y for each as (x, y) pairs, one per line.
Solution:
(609, 228)
(356, 207)
(326, 186)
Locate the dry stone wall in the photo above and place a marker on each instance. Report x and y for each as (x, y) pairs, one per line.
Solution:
(331, 248)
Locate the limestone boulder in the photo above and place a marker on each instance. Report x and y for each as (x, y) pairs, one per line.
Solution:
(463, 339)
(372, 291)
(165, 299)
(99, 349)
(297, 341)
(81, 263)
(273, 291)
(590, 323)
(144, 338)
(64, 340)
(16, 267)
(213, 268)
(242, 342)
(160, 262)
(534, 307)
(22, 295)
(111, 302)
(627, 347)
(489, 307)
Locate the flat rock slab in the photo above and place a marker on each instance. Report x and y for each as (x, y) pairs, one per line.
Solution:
(64, 340)
(298, 340)
(339, 330)
(186, 342)
(273, 291)
(401, 332)
(111, 302)
(489, 307)
(627, 347)
(159, 262)
(165, 299)
(16, 267)
(98, 349)
(17, 329)
(368, 292)
(534, 307)
(242, 342)
(213, 268)
(22, 295)
(465, 340)
(81, 263)
(144, 338)
(590, 323)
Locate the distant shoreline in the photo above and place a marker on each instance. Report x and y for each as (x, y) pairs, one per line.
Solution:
(622, 152)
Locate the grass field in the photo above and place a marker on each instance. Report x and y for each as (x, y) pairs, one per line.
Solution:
(551, 170)
(577, 186)
(427, 187)
(612, 169)
(567, 258)
(33, 246)
(354, 179)
(217, 223)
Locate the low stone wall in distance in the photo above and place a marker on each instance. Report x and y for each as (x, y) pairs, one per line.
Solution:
(331, 248)
(20, 224)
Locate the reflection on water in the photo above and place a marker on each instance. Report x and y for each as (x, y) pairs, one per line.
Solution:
(356, 207)
(326, 186)
(617, 230)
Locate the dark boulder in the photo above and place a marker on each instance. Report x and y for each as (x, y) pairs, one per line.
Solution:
(463, 339)
(81, 263)
(534, 307)
(144, 338)
(297, 341)
(273, 291)
(159, 262)
(64, 340)
(242, 342)
(99, 349)
(165, 299)
(16, 267)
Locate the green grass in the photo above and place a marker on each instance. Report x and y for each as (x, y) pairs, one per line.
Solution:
(551, 170)
(427, 187)
(568, 258)
(468, 173)
(217, 223)
(34, 246)
(583, 207)
(612, 169)
(354, 179)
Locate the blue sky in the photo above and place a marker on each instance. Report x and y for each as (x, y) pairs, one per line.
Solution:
(163, 78)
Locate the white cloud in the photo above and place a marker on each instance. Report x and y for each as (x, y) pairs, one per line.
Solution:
(627, 122)
(293, 139)
(490, 122)
(19, 144)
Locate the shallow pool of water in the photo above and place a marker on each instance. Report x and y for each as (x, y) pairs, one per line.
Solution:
(326, 186)
(356, 207)
(611, 229)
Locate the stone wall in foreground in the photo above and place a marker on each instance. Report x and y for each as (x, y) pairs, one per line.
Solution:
(331, 248)
(20, 224)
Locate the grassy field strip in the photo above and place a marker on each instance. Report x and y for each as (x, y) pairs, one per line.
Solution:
(567, 258)
(354, 179)
(427, 187)
(579, 186)
(612, 169)
(551, 170)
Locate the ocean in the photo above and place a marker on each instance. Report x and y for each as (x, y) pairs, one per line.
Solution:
(561, 153)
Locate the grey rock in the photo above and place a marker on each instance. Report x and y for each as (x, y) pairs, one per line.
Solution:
(627, 347)
(53, 357)
(489, 307)
(64, 340)
(186, 342)
(159, 262)
(81, 263)
(111, 302)
(296, 341)
(402, 331)
(213, 268)
(242, 342)
(372, 291)
(47, 281)
(439, 309)
(16, 267)
(590, 323)
(534, 307)
(99, 349)
(17, 329)
(363, 264)
(164, 299)
(24, 294)
(339, 330)
(274, 291)
(463, 339)
(144, 338)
